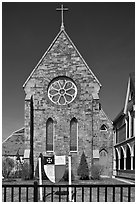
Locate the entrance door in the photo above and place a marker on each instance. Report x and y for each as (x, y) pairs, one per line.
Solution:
(103, 161)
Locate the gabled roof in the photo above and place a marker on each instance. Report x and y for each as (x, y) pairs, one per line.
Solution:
(128, 104)
(62, 30)
(120, 115)
(102, 111)
(14, 143)
(131, 85)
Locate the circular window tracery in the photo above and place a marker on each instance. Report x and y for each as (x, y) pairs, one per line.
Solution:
(62, 91)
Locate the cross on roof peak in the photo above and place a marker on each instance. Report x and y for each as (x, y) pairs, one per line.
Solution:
(62, 9)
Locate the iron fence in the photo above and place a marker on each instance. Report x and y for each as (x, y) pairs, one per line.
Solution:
(60, 193)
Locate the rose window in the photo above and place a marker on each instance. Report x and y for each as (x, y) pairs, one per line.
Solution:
(62, 91)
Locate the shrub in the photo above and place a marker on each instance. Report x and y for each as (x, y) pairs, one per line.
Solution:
(18, 174)
(83, 170)
(96, 170)
(66, 176)
(7, 166)
(26, 171)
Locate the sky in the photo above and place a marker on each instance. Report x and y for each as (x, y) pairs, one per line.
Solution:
(104, 34)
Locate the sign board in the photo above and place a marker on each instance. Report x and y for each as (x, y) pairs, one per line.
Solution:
(27, 154)
(54, 167)
(96, 154)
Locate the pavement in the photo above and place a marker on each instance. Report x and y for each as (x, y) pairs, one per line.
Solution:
(125, 180)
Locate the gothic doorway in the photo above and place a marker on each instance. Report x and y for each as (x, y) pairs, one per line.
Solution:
(103, 159)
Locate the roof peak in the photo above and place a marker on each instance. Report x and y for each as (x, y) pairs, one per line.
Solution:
(60, 32)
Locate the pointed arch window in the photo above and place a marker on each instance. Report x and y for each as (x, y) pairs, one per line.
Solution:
(49, 135)
(73, 135)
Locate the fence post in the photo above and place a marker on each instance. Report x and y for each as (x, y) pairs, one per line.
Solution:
(129, 192)
(35, 195)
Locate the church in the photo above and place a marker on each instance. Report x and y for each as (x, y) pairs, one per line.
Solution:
(63, 114)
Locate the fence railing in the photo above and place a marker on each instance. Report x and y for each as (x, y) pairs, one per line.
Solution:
(60, 193)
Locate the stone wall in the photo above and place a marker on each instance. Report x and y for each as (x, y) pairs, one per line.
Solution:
(62, 59)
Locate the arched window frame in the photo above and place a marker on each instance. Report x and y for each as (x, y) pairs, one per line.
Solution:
(53, 133)
(76, 135)
(103, 149)
(62, 90)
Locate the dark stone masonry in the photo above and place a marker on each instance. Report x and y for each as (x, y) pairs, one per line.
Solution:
(63, 62)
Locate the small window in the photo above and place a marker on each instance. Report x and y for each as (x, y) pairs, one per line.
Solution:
(49, 135)
(103, 128)
(73, 134)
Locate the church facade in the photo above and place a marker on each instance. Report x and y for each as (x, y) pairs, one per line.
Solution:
(63, 114)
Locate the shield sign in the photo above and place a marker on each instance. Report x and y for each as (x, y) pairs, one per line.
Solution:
(55, 167)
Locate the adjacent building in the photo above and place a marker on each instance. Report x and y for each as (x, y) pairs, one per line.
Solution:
(124, 138)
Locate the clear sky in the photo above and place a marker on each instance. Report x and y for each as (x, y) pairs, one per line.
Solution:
(102, 32)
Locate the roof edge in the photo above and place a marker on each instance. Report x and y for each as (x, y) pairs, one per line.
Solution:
(127, 95)
(107, 116)
(12, 134)
(82, 58)
(62, 30)
(118, 117)
(42, 58)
